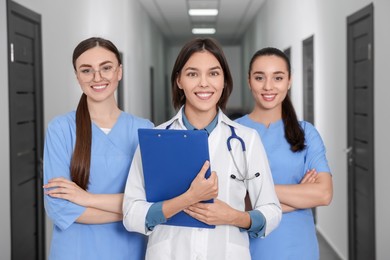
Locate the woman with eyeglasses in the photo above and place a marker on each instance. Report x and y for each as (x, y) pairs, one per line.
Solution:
(87, 157)
(201, 84)
(297, 158)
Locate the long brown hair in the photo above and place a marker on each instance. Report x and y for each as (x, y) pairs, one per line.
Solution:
(191, 47)
(81, 159)
(293, 131)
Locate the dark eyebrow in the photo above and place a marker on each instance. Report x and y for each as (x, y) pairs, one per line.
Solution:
(276, 72)
(212, 68)
(90, 66)
(191, 68)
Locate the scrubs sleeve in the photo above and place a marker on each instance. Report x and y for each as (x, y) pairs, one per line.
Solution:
(261, 189)
(135, 206)
(57, 155)
(316, 152)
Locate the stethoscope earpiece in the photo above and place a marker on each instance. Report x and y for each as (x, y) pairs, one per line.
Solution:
(234, 177)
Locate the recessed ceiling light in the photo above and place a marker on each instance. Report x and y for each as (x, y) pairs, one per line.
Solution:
(203, 12)
(203, 31)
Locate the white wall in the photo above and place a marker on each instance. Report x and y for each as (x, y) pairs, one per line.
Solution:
(64, 25)
(5, 219)
(286, 23)
(382, 126)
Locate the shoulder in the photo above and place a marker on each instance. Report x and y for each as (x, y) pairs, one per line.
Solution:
(312, 135)
(67, 120)
(242, 120)
(306, 125)
(138, 122)
(61, 128)
(308, 128)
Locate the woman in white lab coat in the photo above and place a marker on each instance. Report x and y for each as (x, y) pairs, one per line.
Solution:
(201, 84)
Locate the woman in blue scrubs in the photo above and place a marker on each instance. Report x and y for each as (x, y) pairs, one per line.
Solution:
(297, 159)
(87, 158)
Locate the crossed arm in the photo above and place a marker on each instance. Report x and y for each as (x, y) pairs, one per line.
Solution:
(100, 208)
(315, 189)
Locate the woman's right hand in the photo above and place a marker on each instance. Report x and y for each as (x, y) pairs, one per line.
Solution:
(203, 188)
(310, 177)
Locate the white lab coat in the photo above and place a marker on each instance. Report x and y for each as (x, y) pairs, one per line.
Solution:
(225, 241)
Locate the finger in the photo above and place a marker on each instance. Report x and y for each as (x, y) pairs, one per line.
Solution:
(306, 177)
(55, 192)
(205, 167)
(59, 183)
(195, 212)
(59, 196)
(213, 177)
(59, 179)
(199, 206)
(52, 185)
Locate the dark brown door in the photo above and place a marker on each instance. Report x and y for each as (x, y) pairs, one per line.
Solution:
(361, 190)
(26, 134)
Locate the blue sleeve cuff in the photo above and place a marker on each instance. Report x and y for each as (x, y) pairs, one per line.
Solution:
(155, 216)
(257, 228)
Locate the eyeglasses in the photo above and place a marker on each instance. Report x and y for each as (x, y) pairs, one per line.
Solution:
(88, 74)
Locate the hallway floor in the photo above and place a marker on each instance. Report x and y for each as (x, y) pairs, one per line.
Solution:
(326, 251)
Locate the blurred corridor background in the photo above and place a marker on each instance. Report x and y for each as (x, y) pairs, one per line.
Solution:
(339, 52)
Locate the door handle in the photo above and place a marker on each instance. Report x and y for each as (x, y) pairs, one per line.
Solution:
(349, 151)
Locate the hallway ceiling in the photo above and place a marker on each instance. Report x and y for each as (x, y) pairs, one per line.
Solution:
(171, 17)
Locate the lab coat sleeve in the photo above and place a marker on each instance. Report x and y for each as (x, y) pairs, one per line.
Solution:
(262, 192)
(135, 206)
(57, 155)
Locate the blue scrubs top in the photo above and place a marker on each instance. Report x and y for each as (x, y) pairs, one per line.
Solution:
(295, 238)
(111, 156)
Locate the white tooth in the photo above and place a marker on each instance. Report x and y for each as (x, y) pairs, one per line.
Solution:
(204, 94)
(99, 87)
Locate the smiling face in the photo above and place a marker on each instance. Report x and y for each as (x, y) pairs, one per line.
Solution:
(98, 72)
(202, 81)
(269, 81)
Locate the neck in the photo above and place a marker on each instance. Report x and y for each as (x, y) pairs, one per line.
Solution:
(104, 114)
(266, 117)
(200, 119)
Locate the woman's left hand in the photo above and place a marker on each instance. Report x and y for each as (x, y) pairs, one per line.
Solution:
(65, 189)
(217, 213)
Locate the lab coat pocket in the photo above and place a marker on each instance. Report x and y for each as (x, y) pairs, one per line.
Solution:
(235, 252)
(159, 251)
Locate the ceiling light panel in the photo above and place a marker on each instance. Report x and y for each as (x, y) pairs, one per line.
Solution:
(203, 12)
(203, 30)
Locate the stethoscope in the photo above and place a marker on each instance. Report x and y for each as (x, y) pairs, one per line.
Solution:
(243, 175)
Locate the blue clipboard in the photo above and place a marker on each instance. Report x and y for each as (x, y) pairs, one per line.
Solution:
(171, 159)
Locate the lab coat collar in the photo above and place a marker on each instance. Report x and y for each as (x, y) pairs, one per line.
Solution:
(178, 119)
